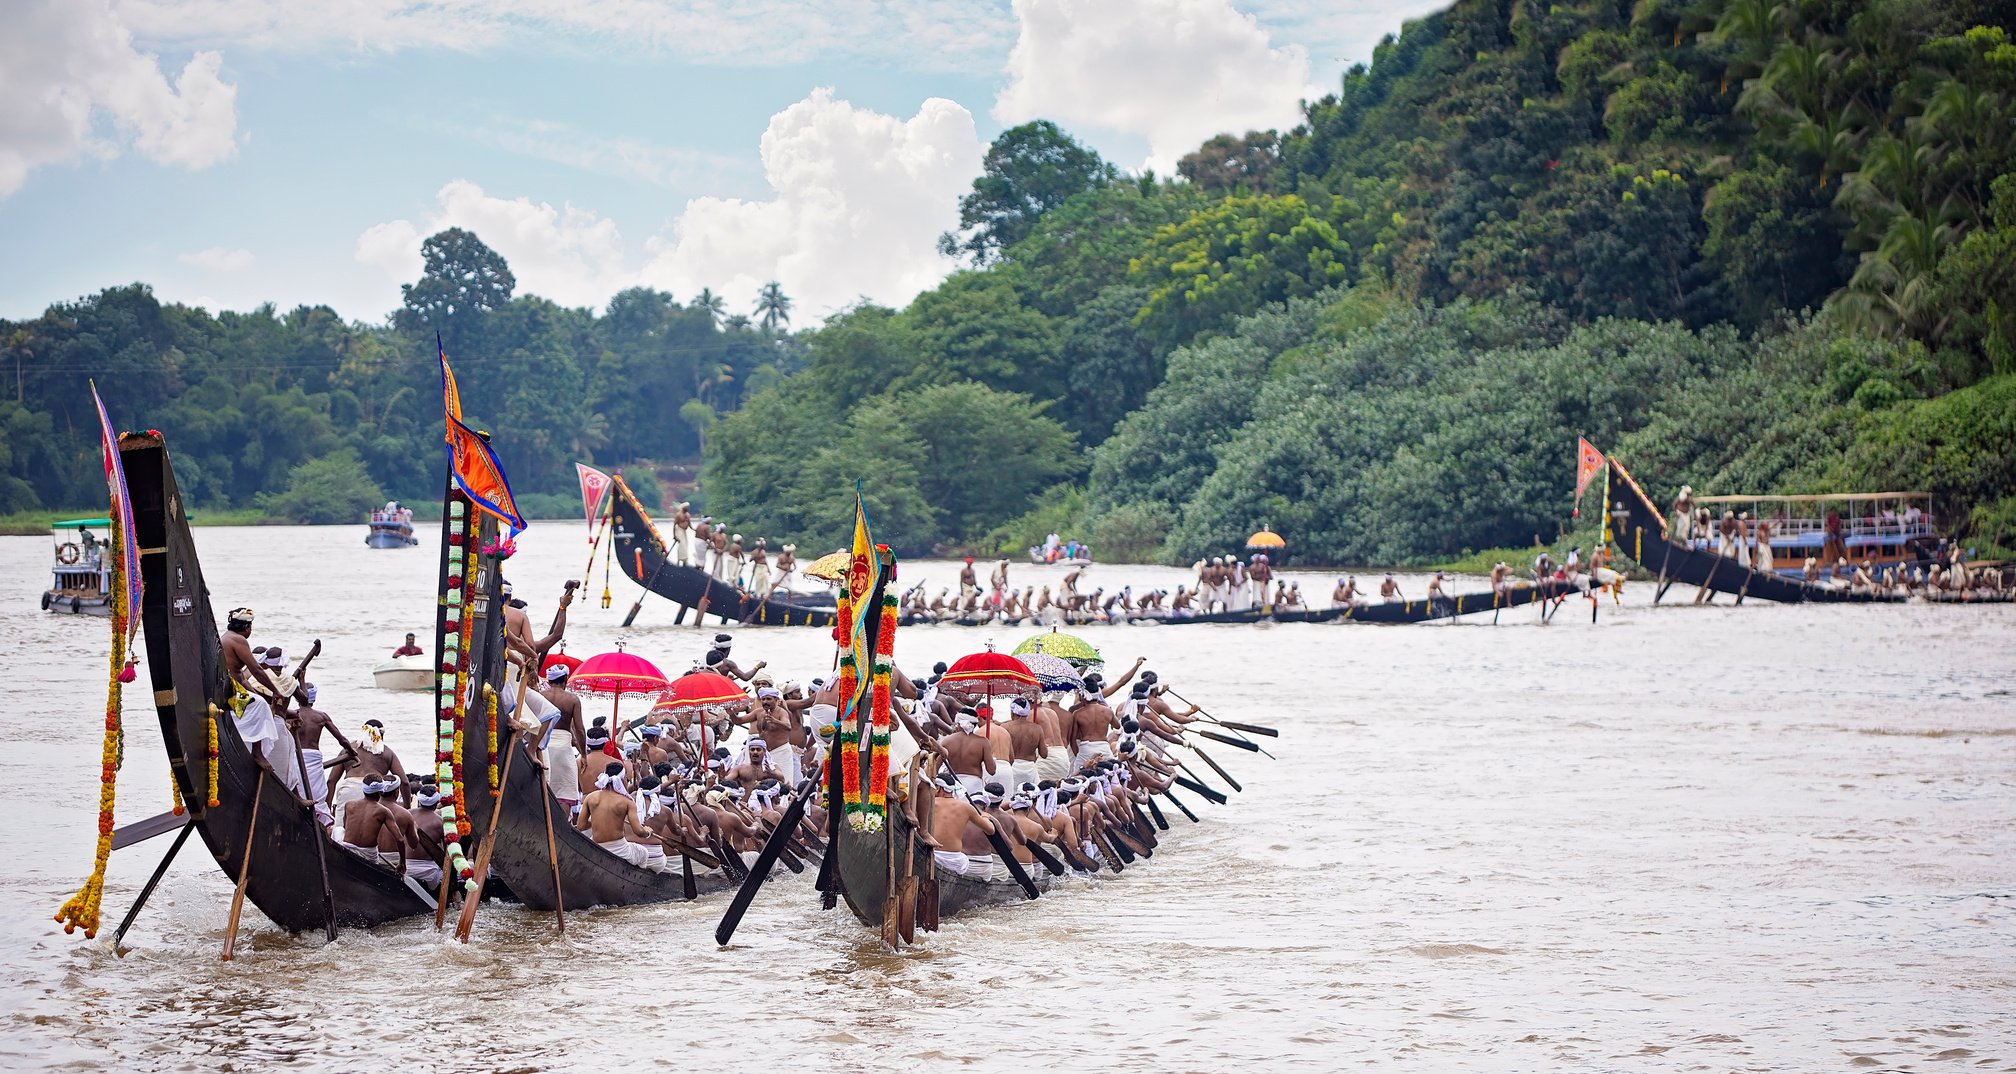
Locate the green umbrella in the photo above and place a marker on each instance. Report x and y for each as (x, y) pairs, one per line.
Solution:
(1069, 647)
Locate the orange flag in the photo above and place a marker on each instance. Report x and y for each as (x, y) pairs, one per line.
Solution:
(1588, 463)
(478, 472)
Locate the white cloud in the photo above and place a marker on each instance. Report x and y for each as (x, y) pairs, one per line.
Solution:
(218, 259)
(622, 158)
(945, 34)
(859, 200)
(1173, 72)
(69, 66)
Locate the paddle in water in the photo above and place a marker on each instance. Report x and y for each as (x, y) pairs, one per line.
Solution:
(760, 869)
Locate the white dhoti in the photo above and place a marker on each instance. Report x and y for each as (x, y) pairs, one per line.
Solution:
(950, 861)
(785, 760)
(1056, 766)
(783, 580)
(700, 550)
(351, 789)
(373, 854)
(981, 866)
(1765, 561)
(1021, 772)
(265, 734)
(425, 872)
(1098, 749)
(625, 849)
(972, 784)
(654, 858)
(318, 785)
(679, 544)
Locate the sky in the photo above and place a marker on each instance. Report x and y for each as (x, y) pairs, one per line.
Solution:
(236, 152)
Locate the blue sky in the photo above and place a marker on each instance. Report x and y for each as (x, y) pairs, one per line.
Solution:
(232, 152)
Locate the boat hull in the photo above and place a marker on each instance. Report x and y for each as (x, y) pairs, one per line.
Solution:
(641, 555)
(390, 537)
(414, 673)
(1639, 530)
(864, 874)
(185, 665)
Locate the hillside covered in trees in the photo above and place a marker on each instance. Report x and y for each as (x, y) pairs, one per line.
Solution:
(1755, 246)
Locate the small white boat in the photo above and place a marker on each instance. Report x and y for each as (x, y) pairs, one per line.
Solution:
(405, 673)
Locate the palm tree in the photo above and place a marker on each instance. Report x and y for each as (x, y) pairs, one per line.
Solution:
(737, 323)
(712, 303)
(772, 308)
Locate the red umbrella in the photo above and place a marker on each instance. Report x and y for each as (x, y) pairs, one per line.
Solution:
(615, 674)
(559, 659)
(703, 691)
(987, 675)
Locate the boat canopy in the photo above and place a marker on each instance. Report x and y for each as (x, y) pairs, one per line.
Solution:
(1817, 497)
(71, 524)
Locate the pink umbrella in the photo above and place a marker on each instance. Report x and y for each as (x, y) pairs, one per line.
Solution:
(616, 674)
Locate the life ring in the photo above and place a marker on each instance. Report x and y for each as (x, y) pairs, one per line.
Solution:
(45, 601)
(68, 553)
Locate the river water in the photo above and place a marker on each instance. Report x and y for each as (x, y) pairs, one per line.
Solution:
(1684, 838)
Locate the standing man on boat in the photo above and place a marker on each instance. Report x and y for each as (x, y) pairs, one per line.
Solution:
(308, 723)
(759, 571)
(1389, 590)
(1091, 725)
(722, 572)
(969, 582)
(735, 558)
(999, 580)
(554, 690)
(264, 735)
(1680, 521)
(703, 540)
(682, 532)
(787, 562)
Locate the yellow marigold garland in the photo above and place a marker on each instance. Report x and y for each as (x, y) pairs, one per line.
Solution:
(82, 908)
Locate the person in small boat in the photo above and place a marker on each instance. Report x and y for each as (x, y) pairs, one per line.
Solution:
(370, 830)
(958, 834)
(682, 531)
(308, 723)
(1293, 598)
(1862, 581)
(1680, 521)
(609, 815)
(369, 759)
(1389, 590)
(411, 648)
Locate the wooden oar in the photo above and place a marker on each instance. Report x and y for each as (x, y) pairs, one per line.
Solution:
(321, 838)
(1105, 844)
(148, 889)
(140, 831)
(632, 617)
(1214, 797)
(480, 871)
(552, 847)
(1251, 747)
(1226, 776)
(772, 847)
(244, 866)
(1249, 728)
(1156, 811)
(1178, 803)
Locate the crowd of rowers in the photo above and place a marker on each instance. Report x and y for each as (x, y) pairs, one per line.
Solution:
(1747, 541)
(1066, 769)
(1223, 585)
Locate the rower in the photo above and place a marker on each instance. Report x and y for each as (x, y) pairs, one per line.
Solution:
(734, 561)
(1389, 590)
(650, 823)
(969, 582)
(703, 541)
(970, 753)
(1680, 522)
(430, 847)
(717, 660)
(411, 648)
(958, 834)
(1091, 724)
(1437, 593)
(368, 759)
(608, 816)
(1501, 578)
(369, 829)
(759, 568)
(1000, 580)
(756, 769)
(598, 755)
(567, 702)
(260, 729)
(719, 550)
(787, 562)
(682, 532)
(307, 724)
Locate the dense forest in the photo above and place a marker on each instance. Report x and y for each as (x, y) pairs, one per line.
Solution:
(1755, 246)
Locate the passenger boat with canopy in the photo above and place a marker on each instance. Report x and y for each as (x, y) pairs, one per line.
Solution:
(81, 577)
(1886, 530)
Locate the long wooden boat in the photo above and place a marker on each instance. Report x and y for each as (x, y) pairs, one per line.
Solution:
(864, 867)
(641, 552)
(185, 664)
(588, 875)
(1390, 612)
(1639, 530)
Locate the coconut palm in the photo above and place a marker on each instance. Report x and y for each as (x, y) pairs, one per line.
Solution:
(772, 308)
(710, 302)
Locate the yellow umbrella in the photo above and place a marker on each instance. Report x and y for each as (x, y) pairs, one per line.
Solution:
(1266, 539)
(830, 568)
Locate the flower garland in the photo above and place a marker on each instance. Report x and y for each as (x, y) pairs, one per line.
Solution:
(82, 908)
(451, 689)
(877, 808)
(210, 798)
(490, 702)
(847, 739)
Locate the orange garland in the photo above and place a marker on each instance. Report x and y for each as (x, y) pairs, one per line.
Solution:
(82, 908)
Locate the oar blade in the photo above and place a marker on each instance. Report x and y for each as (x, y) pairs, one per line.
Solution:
(760, 869)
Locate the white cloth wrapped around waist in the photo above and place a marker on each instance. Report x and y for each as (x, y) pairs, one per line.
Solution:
(625, 849)
(265, 734)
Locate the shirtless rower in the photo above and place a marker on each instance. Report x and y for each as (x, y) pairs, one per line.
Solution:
(703, 541)
(970, 753)
(1389, 590)
(609, 816)
(1028, 743)
(759, 568)
(430, 846)
(554, 690)
(1501, 578)
(787, 563)
(1435, 591)
(775, 724)
(369, 759)
(999, 580)
(371, 831)
(722, 643)
(596, 757)
(307, 723)
(958, 834)
(1092, 721)
(518, 625)
(722, 572)
(969, 582)
(735, 559)
(756, 769)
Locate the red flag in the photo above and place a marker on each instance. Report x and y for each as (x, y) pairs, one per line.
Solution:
(478, 471)
(593, 484)
(1588, 463)
(122, 515)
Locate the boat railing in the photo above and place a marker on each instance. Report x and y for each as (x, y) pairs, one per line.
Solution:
(1874, 527)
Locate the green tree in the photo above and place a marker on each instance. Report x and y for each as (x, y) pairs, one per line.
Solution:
(1028, 171)
(1227, 163)
(330, 490)
(772, 308)
(462, 279)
